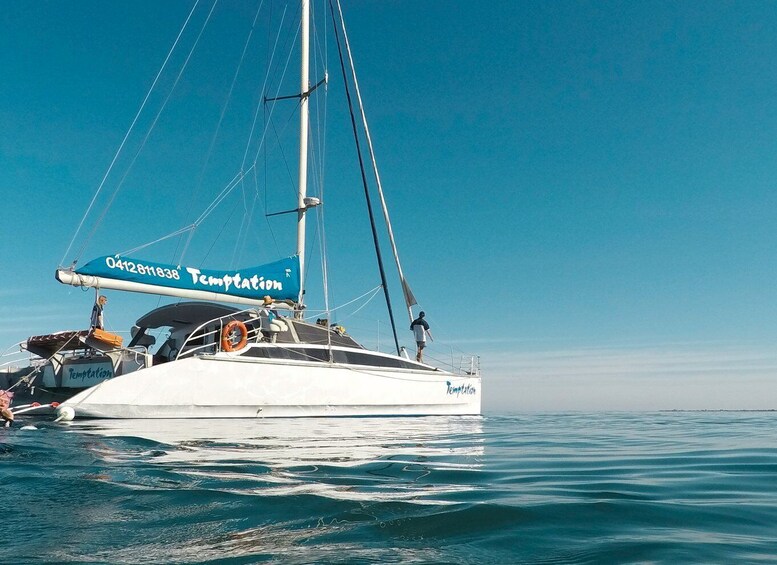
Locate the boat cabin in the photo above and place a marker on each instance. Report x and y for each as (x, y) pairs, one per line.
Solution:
(198, 328)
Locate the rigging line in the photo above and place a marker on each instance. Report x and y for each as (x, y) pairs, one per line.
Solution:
(215, 240)
(321, 234)
(264, 206)
(319, 158)
(371, 291)
(370, 299)
(324, 267)
(289, 44)
(151, 128)
(319, 161)
(265, 191)
(310, 245)
(316, 35)
(211, 207)
(34, 373)
(323, 138)
(240, 246)
(237, 239)
(186, 245)
(243, 195)
(224, 110)
(123, 141)
(274, 102)
(222, 195)
(318, 180)
(264, 86)
(268, 116)
(168, 236)
(309, 250)
(242, 235)
(293, 186)
(408, 294)
(320, 130)
(315, 40)
(364, 183)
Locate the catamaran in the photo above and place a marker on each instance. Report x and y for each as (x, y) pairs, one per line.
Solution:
(238, 343)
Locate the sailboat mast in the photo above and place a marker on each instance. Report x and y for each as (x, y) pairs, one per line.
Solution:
(303, 142)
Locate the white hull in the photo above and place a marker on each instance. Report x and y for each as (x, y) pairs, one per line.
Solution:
(228, 386)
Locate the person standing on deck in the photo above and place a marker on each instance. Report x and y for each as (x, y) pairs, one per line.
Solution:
(97, 321)
(420, 328)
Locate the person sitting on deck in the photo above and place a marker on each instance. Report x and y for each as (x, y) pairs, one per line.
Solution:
(267, 308)
(272, 322)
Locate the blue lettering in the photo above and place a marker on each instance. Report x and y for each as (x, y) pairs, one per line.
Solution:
(89, 374)
(461, 389)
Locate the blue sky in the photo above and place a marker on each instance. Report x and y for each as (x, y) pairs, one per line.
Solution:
(582, 192)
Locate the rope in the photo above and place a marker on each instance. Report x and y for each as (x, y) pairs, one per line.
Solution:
(221, 231)
(375, 240)
(373, 291)
(222, 195)
(26, 378)
(363, 305)
(151, 127)
(237, 251)
(126, 136)
(408, 294)
(260, 106)
(190, 228)
(164, 237)
(209, 153)
(253, 166)
(324, 265)
(237, 180)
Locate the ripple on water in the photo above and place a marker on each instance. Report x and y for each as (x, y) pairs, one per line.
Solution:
(580, 488)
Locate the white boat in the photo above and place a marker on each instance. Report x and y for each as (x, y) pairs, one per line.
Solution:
(236, 356)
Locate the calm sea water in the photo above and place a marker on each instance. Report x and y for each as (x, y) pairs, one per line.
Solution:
(572, 488)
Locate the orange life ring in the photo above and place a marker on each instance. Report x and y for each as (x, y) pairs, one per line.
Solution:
(226, 336)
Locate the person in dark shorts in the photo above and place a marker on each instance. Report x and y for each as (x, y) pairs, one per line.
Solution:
(97, 321)
(420, 328)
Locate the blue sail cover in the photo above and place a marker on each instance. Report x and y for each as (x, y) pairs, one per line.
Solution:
(279, 280)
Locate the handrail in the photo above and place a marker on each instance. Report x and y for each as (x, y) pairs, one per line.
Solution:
(465, 365)
(184, 352)
(18, 356)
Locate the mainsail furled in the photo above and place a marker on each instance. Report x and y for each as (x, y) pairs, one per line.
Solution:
(279, 280)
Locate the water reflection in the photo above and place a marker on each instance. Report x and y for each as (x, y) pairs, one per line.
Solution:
(423, 460)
